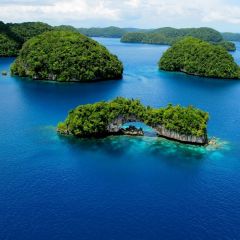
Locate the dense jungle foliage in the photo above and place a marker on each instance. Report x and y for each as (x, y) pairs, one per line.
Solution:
(229, 46)
(66, 28)
(13, 35)
(228, 36)
(93, 119)
(197, 57)
(111, 32)
(66, 56)
(169, 36)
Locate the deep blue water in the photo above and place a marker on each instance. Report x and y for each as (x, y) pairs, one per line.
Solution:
(118, 188)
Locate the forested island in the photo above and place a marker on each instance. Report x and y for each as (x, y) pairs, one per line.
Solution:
(163, 35)
(184, 124)
(169, 36)
(109, 32)
(228, 36)
(197, 57)
(13, 35)
(66, 56)
(66, 28)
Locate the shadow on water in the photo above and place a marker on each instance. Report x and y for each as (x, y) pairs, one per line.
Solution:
(74, 92)
(146, 149)
(156, 147)
(188, 80)
(51, 101)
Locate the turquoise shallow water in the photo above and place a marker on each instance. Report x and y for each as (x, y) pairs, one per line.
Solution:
(53, 187)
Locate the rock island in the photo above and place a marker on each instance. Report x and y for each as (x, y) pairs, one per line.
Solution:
(66, 56)
(183, 124)
(197, 57)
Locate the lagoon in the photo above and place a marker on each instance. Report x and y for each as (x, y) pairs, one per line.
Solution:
(54, 187)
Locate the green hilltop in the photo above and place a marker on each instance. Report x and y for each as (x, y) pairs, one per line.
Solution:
(66, 56)
(93, 119)
(13, 35)
(228, 36)
(197, 57)
(169, 36)
(111, 32)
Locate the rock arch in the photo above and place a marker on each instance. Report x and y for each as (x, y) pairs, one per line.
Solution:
(186, 125)
(114, 127)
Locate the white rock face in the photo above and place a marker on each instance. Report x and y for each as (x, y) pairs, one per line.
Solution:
(115, 127)
(180, 137)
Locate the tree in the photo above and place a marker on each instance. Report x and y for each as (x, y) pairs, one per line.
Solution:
(197, 57)
(66, 56)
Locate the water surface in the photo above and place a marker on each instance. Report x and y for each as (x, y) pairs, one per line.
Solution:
(53, 187)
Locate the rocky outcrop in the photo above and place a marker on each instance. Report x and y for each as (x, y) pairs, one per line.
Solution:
(163, 132)
(115, 127)
(132, 131)
(101, 119)
(4, 73)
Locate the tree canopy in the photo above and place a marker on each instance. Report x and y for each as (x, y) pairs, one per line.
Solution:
(8, 46)
(13, 35)
(25, 31)
(229, 46)
(93, 119)
(194, 56)
(169, 36)
(66, 28)
(111, 32)
(66, 56)
(228, 36)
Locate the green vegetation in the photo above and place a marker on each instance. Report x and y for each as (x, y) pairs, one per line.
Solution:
(111, 32)
(66, 28)
(163, 36)
(235, 37)
(194, 56)
(8, 46)
(229, 46)
(93, 119)
(66, 56)
(13, 35)
(169, 36)
(9, 42)
(203, 33)
(27, 30)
